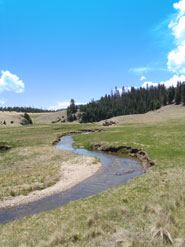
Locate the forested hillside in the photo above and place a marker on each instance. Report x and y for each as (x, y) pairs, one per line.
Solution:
(134, 101)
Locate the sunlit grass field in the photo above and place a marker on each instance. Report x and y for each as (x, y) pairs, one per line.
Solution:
(146, 211)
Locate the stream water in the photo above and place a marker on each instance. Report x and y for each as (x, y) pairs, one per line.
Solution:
(116, 170)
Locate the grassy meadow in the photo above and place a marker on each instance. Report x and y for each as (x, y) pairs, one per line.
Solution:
(146, 211)
(32, 163)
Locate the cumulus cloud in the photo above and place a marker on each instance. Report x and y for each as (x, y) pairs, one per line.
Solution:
(11, 82)
(126, 89)
(176, 57)
(142, 78)
(140, 70)
(171, 82)
(63, 105)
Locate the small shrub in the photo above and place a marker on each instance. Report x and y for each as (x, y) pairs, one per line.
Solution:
(12, 193)
(28, 118)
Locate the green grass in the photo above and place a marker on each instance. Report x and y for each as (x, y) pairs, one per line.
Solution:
(32, 163)
(146, 211)
(163, 142)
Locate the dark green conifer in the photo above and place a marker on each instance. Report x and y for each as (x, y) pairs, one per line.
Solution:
(178, 94)
(183, 93)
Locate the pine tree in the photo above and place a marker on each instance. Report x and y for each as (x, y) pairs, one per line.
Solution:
(178, 94)
(183, 93)
(170, 95)
(72, 107)
(70, 117)
(71, 110)
(164, 100)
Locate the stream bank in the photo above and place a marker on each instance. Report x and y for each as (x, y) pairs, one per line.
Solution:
(116, 170)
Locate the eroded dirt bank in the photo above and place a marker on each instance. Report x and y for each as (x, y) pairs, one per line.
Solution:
(133, 152)
(141, 155)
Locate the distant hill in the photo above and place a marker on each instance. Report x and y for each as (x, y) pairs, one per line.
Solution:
(12, 119)
(165, 113)
(52, 117)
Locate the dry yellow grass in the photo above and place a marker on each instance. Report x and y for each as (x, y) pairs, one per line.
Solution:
(169, 112)
(11, 118)
(29, 169)
(47, 118)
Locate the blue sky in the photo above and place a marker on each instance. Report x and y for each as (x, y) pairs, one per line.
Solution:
(55, 50)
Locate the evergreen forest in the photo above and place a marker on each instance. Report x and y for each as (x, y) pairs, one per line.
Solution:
(135, 101)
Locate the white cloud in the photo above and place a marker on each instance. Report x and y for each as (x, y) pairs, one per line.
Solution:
(11, 82)
(176, 57)
(142, 78)
(59, 105)
(140, 70)
(2, 101)
(126, 89)
(171, 82)
(181, 6)
(63, 105)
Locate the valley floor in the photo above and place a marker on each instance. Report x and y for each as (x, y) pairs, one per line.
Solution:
(146, 211)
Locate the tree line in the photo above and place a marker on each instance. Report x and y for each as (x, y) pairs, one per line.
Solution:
(23, 109)
(135, 101)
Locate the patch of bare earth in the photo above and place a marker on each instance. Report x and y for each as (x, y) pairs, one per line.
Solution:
(73, 169)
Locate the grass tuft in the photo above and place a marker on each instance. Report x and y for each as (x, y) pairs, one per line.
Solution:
(163, 227)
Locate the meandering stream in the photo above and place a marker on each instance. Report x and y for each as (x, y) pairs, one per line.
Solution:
(116, 170)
